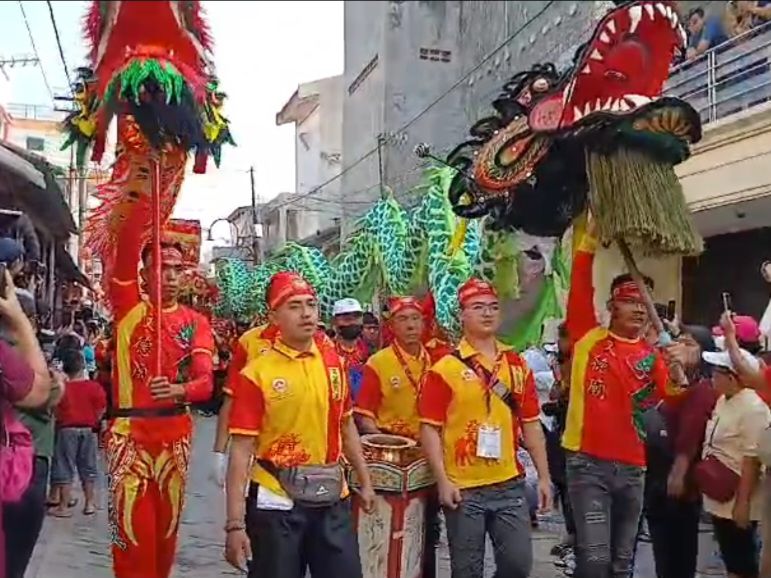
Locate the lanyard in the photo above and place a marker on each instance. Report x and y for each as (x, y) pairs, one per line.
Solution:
(405, 366)
(488, 381)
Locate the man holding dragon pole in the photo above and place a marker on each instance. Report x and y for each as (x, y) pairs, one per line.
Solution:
(150, 67)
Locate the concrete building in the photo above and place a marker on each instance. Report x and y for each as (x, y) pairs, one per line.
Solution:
(425, 71)
(316, 110)
(38, 129)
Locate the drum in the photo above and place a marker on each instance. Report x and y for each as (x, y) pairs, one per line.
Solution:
(391, 537)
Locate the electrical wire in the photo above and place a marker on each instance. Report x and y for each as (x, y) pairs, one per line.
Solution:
(452, 87)
(34, 49)
(59, 43)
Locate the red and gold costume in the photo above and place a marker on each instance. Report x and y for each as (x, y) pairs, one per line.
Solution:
(612, 377)
(148, 443)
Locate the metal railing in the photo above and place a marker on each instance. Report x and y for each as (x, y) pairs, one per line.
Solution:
(727, 79)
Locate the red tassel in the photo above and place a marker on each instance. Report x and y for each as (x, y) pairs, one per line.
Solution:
(201, 159)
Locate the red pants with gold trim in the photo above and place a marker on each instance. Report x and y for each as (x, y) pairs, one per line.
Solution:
(146, 483)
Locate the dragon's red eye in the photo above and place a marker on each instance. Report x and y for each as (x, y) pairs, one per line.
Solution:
(616, 75)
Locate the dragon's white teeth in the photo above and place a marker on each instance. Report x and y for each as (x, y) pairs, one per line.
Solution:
(637, 99)
(616, 106)
(577, 114)
(586, 70)
(622, 105)
(611, 26)
(663, 10)
(604, 37)
(649, 10)
(608, 104)
(597, 104)
(588, 108)
(635, 15)
(595, 55)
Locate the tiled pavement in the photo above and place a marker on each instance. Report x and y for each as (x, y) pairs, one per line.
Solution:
(78, 547)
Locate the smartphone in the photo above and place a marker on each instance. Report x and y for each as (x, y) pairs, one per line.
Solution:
(2, 279)
(671, 310)
(727, 303)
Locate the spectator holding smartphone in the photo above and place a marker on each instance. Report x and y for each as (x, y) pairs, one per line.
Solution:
(24, 383)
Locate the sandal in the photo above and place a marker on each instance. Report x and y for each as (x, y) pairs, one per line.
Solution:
(60, 513)
(89, 511)
(72, 503)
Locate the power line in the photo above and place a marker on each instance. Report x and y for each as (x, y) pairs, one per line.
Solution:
(59, 42)
(455, 85)
(34, 49)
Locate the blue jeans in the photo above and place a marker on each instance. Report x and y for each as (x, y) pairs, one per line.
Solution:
(75, 452)
(607, 500)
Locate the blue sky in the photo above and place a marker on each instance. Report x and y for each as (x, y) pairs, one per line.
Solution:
(263, 50)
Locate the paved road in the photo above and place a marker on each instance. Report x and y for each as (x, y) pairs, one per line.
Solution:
(78, 547)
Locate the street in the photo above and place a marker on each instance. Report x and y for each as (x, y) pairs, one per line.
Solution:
(78, 547)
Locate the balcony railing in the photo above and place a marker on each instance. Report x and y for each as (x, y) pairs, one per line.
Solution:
(729, 78)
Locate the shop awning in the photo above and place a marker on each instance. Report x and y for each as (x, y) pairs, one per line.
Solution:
(28, 184)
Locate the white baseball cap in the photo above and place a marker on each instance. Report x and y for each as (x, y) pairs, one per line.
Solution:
(346, 306)
(723, 359)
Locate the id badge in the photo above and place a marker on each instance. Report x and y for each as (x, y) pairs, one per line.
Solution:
(489, 442)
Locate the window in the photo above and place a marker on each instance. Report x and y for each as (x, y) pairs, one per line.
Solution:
(35, 143)
(435, 55)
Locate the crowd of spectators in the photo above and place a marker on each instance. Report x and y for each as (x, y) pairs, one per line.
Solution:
(708, 29)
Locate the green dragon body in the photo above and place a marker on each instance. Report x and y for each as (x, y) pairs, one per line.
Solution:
(399, 251)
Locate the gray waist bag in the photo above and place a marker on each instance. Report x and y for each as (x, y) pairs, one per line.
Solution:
(310, 486)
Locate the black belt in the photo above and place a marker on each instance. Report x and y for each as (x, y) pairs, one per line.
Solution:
(147, 411)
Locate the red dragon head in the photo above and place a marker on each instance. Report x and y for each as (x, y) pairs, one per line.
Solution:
(525, 167)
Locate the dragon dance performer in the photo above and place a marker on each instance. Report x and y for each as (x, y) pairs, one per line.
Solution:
(148, 436)
(388, 399)
(292, 413)
(249, 346)
(616, 376)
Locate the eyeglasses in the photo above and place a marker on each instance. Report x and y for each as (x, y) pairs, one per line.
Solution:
(485, 308)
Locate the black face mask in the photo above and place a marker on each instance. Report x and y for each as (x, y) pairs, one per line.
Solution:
(350, 332)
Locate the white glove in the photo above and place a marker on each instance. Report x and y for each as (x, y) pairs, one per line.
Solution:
(219, 469)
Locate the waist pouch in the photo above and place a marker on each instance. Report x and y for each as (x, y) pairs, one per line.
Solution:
(309, 486)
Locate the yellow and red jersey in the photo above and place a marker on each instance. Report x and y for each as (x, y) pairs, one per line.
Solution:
(295, 404)
(613, 380)
(187, 348)
(253, 342)
(389, 390)
(454, 397)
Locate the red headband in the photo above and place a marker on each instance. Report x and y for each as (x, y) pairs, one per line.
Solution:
(285, 285)
(627, 291)
(474, 288)
(399, 304)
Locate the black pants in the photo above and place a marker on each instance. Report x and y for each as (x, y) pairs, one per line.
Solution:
(432, 535)
(287, 543)
(674, 529)
(24, 520)
(738, 547)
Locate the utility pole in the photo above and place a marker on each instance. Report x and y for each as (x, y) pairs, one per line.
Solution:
(82, 203)
(16, 61)
(256, 256)
(380, 143)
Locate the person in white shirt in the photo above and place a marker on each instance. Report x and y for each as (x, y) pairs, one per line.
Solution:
(731, 438)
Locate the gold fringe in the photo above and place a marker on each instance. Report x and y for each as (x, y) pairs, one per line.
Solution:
(639, 199)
